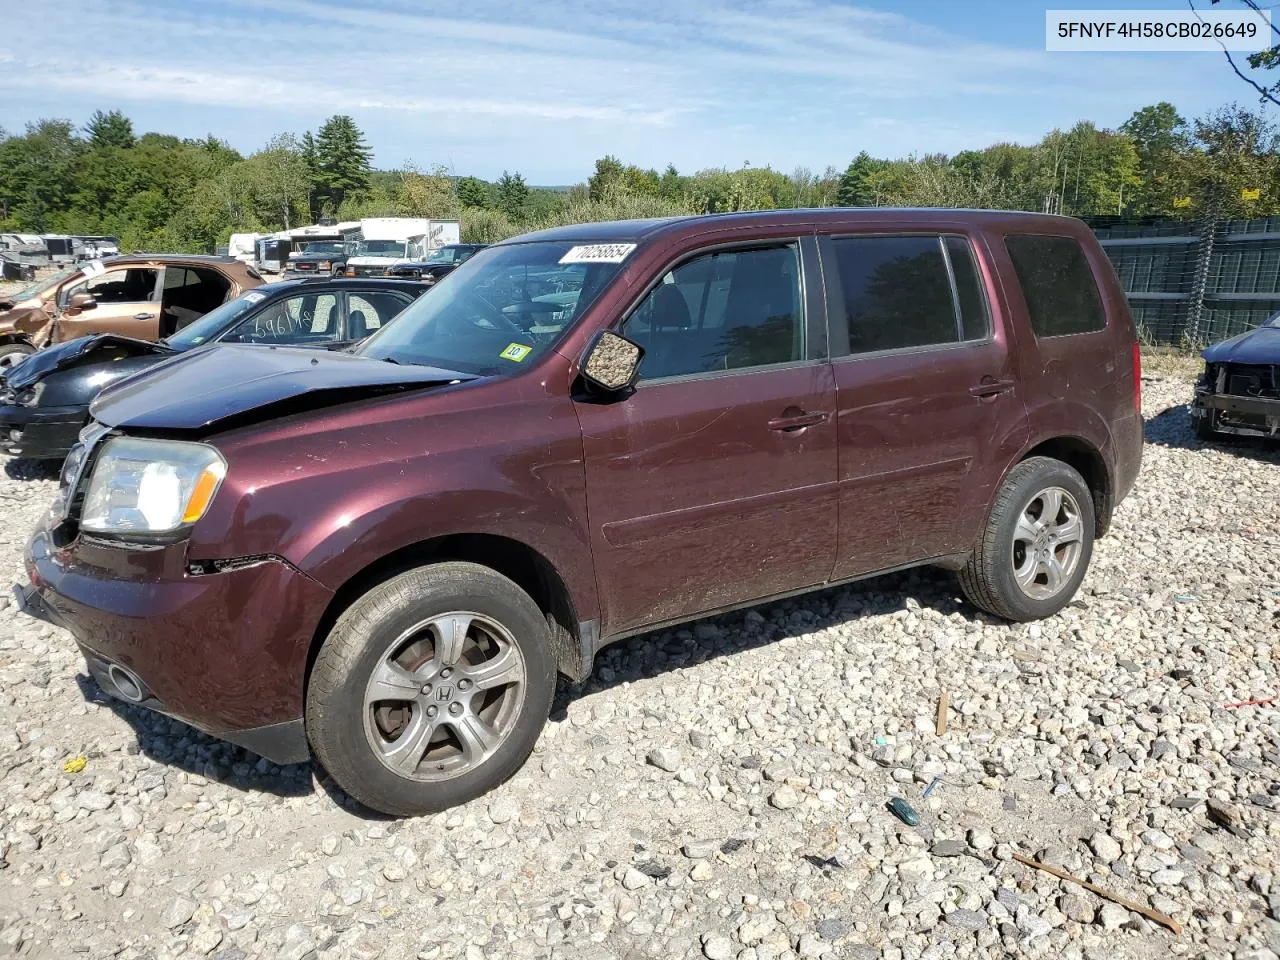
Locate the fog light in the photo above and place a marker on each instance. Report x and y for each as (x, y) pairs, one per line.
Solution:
(126, 684)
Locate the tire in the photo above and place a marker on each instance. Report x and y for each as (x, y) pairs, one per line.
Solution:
(1016, 536)
(14, 353)
(407, 619)
(1202, 427)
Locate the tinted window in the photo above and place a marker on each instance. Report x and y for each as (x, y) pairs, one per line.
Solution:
(368, 311)
(897, 292)
(974, 318)
(723, 311)
(1059, 287)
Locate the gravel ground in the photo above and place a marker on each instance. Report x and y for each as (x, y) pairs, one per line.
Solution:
(720, 791)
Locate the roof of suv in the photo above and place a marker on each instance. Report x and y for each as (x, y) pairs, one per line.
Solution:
(636, 231)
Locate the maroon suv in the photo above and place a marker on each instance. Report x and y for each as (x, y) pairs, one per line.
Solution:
(384, 559)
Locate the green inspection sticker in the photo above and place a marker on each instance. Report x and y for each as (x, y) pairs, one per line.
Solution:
(516, 352)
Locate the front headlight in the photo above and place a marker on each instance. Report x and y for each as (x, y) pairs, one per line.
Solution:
(30, 396)
(150, 486)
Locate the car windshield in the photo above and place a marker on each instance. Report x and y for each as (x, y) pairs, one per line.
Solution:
(214, 322)
(444, 255)
(45, 285)
(497, 312)
(322, 246)
(380, 248)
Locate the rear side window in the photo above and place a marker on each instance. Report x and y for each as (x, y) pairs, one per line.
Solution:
(1058, 285)
(898, 292)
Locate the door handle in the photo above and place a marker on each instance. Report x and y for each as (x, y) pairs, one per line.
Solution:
(990, 387)
(790, 424)
(144, 316)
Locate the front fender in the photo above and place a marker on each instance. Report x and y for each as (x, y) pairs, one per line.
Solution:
(336, 493)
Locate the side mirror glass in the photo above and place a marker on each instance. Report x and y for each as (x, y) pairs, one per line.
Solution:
(82, 301)
(612, 363)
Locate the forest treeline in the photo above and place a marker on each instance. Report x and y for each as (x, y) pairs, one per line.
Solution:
(159, 192)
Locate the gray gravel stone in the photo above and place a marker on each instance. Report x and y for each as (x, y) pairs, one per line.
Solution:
(966, 920)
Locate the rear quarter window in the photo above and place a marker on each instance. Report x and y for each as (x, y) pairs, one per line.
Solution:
(1058, 285)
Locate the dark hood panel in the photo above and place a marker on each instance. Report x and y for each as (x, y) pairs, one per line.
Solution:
(82, 350)
(1261, 345)
(197, 389)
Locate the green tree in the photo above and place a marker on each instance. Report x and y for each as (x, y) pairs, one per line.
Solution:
(1233, 150)
(112, 129)
(606, 183)
(341, 161)
(1159, 136)
(428, 194)
(1267, 59)
(474, 192)
(278, 181)
(512, 194)
(856, 189)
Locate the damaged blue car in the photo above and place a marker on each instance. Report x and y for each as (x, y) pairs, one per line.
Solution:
(1239, 391)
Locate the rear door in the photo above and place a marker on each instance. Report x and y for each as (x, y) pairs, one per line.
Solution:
(713, 484)
(126, 302)
(929, 408)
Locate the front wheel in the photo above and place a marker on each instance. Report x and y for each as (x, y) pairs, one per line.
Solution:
(431, 689)
(1203, 426)
(1036, 547)
(12, 354)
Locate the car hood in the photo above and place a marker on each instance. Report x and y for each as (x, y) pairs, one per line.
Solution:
(1259, 345)
(229, 383)
(82, 350)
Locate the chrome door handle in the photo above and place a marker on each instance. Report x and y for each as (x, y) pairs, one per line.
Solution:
(144, 316)
(990, 386)
(797, 422)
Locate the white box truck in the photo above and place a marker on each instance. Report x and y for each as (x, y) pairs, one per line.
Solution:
(383, 242)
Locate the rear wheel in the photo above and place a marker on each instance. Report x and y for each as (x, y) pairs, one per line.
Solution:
(431, 689)
(11, 354)
(1036, 547)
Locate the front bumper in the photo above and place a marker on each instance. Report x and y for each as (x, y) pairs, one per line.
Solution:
(225, 652)
(40, 433)
(1228, 413)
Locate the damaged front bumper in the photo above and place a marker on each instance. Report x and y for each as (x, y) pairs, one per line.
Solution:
(1243, 416)
(40, 433)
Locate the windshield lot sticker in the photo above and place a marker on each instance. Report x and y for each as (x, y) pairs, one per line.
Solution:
(255, 297)
(599, 253)
(515, 352)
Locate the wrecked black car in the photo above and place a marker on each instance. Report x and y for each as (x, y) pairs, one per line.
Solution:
(44, 400)
(1239, 391)
(11, 269)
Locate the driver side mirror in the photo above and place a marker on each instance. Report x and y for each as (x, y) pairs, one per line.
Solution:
(81, 301)
(612, 362)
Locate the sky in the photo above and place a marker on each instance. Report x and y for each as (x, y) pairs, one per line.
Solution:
(546, 87)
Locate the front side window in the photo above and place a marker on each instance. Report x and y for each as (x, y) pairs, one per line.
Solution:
(119, 286)
(499, 311)
(726, 310)
(1058, 285)
(898, 292)
(294, 321)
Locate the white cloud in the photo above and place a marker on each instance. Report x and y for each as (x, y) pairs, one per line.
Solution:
(560, 82)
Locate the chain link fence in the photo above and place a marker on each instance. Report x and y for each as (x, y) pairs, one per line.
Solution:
(1192, 282)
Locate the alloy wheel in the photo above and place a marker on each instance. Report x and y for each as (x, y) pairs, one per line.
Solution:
(444, 696)
(1048, 540)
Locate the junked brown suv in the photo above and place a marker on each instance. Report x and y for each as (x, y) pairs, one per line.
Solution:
(383, 560)
(145, 296)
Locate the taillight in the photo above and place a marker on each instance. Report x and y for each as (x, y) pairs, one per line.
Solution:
(1137, 377)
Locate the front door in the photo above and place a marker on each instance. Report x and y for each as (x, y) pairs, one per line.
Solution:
(126, 301)
(929, 408)
(713, 484)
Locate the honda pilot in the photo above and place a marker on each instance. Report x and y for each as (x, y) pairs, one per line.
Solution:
(383, 559)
